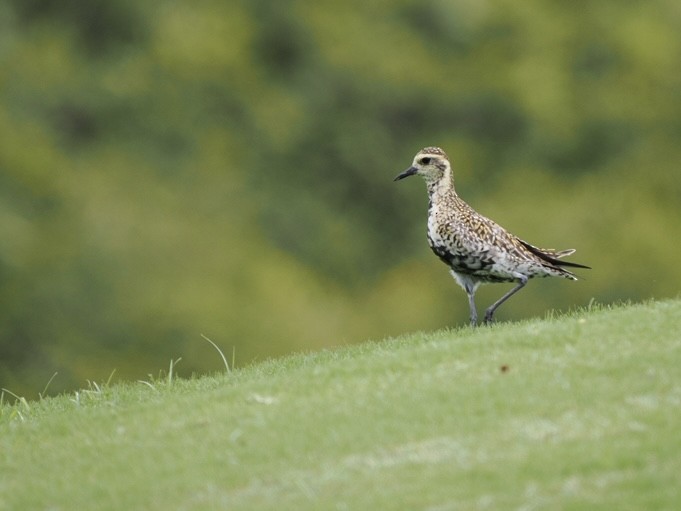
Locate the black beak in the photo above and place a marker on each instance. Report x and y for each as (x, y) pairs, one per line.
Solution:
(409, 172)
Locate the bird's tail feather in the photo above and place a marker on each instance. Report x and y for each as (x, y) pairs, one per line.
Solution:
(558, 253)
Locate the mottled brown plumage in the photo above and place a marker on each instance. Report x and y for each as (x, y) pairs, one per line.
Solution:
(477, 249)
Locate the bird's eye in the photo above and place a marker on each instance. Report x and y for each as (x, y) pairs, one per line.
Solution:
(425, 161)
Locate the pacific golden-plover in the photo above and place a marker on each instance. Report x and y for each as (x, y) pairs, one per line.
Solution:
(477, 249)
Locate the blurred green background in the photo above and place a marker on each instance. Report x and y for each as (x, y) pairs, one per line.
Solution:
(170, 169)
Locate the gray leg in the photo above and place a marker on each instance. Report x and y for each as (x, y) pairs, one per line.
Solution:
(490, 311)
(470, 286)
(471, 304)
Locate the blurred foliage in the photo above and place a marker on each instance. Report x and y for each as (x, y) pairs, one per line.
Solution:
(169, 169)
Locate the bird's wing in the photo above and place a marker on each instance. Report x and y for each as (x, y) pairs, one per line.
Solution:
(552, 256)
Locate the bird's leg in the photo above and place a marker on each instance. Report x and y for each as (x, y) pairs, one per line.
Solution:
(490, 311)
(471, 304)
(470, 286)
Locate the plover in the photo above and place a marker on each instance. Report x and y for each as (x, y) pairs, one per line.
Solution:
(477, 249)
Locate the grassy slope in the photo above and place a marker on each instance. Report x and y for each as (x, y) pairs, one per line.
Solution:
(586, 416)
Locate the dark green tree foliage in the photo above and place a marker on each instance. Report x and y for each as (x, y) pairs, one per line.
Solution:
(169, 169)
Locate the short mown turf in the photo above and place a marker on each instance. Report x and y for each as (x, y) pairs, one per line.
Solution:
(576, 412)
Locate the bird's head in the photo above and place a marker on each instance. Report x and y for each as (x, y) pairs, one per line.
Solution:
(430, 163)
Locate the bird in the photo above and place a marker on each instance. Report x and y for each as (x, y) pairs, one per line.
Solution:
(477, 249)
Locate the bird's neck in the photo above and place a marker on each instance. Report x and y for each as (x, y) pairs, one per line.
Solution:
(439, 188)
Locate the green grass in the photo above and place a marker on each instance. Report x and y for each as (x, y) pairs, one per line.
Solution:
(577, 412)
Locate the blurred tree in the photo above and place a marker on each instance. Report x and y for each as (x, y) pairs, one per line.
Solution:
(169, 169)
